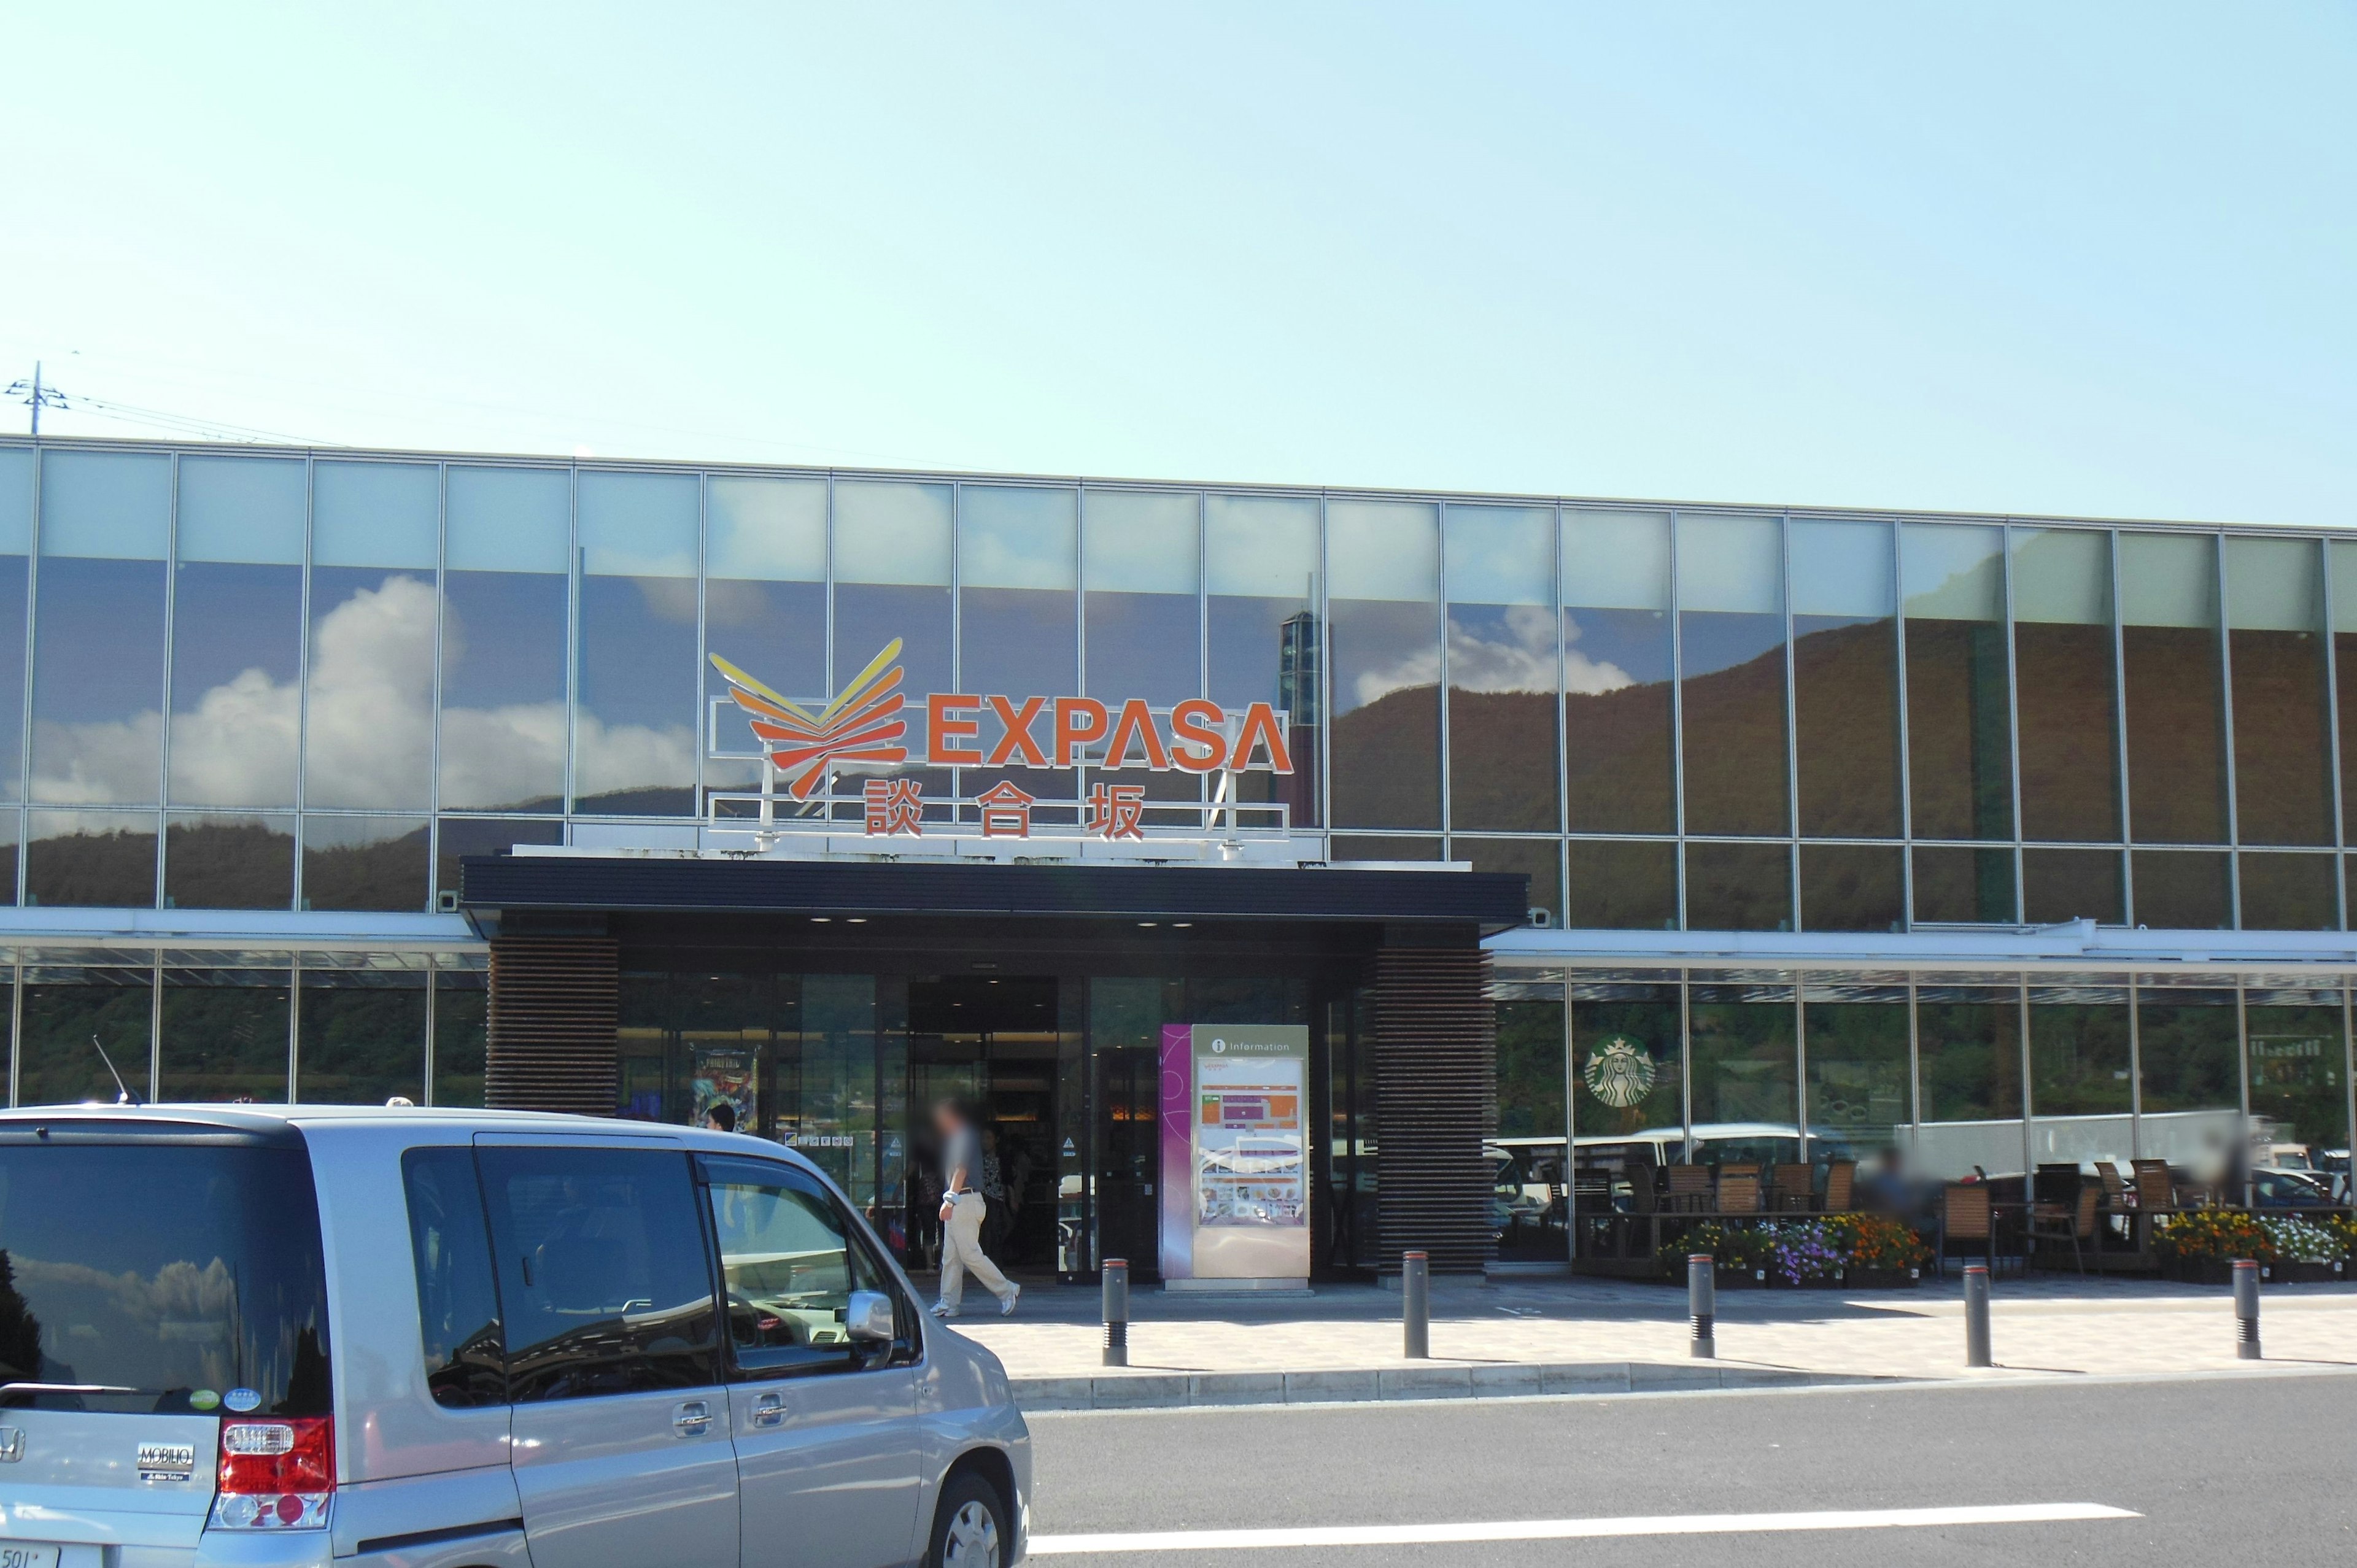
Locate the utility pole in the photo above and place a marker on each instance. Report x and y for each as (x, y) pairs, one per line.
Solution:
(39, 396)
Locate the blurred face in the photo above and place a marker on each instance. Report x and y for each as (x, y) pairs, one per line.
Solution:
(945, 1120)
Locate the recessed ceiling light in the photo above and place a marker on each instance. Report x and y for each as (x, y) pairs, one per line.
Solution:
(856, 919)
(821, 919)
(1182, 925)
(1146, 925)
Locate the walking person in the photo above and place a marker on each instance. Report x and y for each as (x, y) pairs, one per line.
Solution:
(962, 1210)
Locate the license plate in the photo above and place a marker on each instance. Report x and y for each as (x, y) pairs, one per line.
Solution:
(25, 1554)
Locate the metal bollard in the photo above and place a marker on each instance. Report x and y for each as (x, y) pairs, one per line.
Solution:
(1701, 1304)
(2246, 1309)
(1415, 1304)
(1116, 1312)
(1976, 1316)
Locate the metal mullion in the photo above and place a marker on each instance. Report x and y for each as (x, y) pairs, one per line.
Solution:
(1800, 1058)
(1678, 750)
(702, 656)
(2348, 1063)
(1686, 1062)
(293, 1026)
(1322, 611)
(303, 688)
(2243, 1057)
(1914, 1068)
(2120, 738)
(1080, 627)
(1906, 747)
(441, 621)
(164, 718)
(1791, 727)
(16, 1029)
(826, 657)
(156, 1027)
(572, 633)
(2226, 707)
(2026, 1103)
(2332, 735)
(1441, 589)
(2136, 1071)
(1562, 754)
(2013, 730)
(1570, 1135)
(25, 726)
(957, 623)
(1203, 672)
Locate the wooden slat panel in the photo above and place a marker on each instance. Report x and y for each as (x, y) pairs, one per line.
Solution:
(1435, 1059)
(553, 1013)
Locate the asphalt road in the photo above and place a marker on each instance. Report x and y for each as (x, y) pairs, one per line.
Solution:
(2217, 1470)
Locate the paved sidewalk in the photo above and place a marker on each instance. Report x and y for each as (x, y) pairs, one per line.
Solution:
(1530, 1337)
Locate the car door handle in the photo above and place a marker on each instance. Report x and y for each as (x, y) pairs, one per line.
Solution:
(769, 1409)
(693, 1419)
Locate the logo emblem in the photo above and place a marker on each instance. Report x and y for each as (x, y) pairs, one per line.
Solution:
(862, 725)
(12, 1445)
(167, 1461)
(1618, 1072)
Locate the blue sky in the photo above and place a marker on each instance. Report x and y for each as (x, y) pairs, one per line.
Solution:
(2079, 259)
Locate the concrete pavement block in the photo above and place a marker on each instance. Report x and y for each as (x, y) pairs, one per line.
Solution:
(1139, 1389)
(1645, 1377)
(1584, 1377)
(1761, 1377)
(1051, 1393)
(1425, 1383)
(1236, 1387)
(1505, 1381)
(1351, 1383)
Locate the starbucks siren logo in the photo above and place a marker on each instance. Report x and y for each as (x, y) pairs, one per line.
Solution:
(1618, 1072)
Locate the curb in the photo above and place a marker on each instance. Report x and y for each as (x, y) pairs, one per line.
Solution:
(1170, 1390)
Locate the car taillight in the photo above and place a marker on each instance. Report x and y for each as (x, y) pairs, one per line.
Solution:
(275, 1474)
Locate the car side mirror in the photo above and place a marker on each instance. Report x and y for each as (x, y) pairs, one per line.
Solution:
(870, 1317)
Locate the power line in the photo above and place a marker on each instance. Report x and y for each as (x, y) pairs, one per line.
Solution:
(38, 395)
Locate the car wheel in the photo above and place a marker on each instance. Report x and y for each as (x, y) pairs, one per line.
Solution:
(970, 1528)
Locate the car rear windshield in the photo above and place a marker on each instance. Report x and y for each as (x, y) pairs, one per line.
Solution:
(145, 1273)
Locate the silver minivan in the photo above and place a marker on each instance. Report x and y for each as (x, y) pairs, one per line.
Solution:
(470, 1339)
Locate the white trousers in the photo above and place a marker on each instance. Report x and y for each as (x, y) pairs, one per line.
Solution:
(962, 1251)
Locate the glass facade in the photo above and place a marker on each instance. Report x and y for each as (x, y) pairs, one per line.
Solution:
(254, 680)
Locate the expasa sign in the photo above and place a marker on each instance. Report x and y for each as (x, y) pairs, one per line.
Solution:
(868, 721)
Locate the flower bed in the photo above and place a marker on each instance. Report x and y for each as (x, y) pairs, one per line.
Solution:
(2201, 1248)
(1863, 1251)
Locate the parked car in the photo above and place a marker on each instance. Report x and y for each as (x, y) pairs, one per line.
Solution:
(470, 1339)
(2288, 1189)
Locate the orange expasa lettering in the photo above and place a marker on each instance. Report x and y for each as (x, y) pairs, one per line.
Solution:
(1193, 723)
(1018, 738)
(1136, 723)
(1079, 720)
(941, 727)
(1260, 726)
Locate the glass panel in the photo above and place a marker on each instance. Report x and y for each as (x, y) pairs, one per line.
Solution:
(1368, 848)
(1738, 888)
(1260, 584)
(2079, 1066)
(228, 861)
(1144, 636)
(16, 548)
(1845, 679)
(237, 615)
(461, 1028)
(1529, 1192)
(1746, 1094)
(64, 1008)
(827, 1080)
(1384, 598)
(1501, 668)
(369, 732)
(364, 863)
(2275, 618)
(2062, 648)
(503, 638)
(457, 1297)
(2177, 704)
(2299, 1099)
(2289, 893)
(1860, 1101)
(786, 1254)
(1625, 1044)
(1852, 887)
(2178, 891)
(2344, 567)
(1618, 661)
(362, 1028)
(1019, 615)
(2059, 885)
(11, 825)
(1959, 736)
(224, 1027)
(97, 722)
(1963, 885)
(1968, 1046)
(463, 836)
(2187, 1043)
(99, 859)
(892, 580)
(764, 600)
(1541, 860)
(1628, 887)
(634, 748)
(1731, 640)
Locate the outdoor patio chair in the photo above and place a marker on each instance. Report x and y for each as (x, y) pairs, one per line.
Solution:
(1841, 1183)
(1739, 1194)
(1792, 1189)
(2072, 1222)
(1689, 1189)
(2155, 1188)
(1966, 1215)
(2117, 1194)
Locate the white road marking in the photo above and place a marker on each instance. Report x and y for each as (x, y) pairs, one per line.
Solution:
(1570, 1529)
